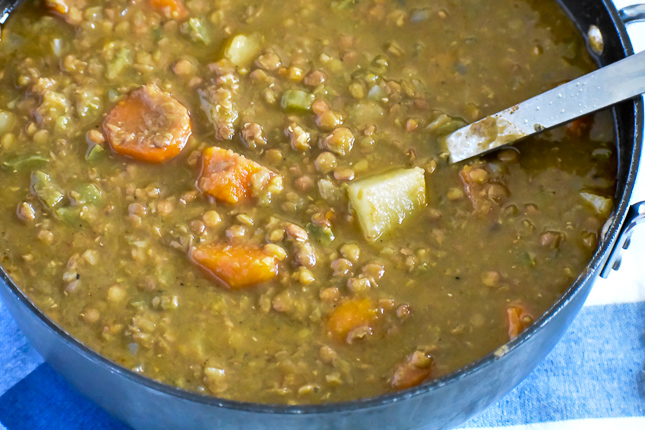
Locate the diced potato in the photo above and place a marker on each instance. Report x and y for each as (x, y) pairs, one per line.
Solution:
(241, 50)
(601, 205)
(382, 202)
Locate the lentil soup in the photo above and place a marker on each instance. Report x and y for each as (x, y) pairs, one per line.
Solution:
(252, 199)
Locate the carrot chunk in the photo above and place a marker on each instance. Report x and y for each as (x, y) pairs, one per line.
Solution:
(416, 368)
(171, 9)
(70, 10)
(230, 177)
(349, 316)
(149, 125)
(518, 319)
(580, 127)
(236, 266)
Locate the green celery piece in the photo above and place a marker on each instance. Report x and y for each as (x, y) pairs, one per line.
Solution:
(71, 215)
(95, 152)
(24, 161)
(324, 235)
(47, 191)
(297, 100)
(86, 194)
(198, 31)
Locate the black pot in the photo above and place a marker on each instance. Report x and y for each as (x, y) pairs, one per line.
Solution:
(439, 404)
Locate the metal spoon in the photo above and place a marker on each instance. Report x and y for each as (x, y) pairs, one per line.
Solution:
(6, 7)
(605, 87)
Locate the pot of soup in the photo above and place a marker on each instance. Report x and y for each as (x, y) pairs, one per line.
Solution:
(222, 214)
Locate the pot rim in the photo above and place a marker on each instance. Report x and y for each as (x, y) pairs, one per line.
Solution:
(592, 268)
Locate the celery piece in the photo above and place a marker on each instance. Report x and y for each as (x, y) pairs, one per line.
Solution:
(197, 31)
(84, 194)
(528, 259)
(324, 235)
(95, 152)
(122, 59)
(297, 100)
(342, 4)
(47, 191)
(601, 205)
(384, 201)
(24, 161)
(71, 215)
(241, 50)
(445, 124)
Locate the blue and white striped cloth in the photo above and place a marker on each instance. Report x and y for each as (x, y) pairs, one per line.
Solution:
(593, 380)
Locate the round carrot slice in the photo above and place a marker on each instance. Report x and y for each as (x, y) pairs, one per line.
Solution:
(148, 125)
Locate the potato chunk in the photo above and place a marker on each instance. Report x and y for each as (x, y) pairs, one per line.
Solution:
(382, 202)
(236, 266)
(241, 50)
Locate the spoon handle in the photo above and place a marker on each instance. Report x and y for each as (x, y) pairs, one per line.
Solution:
(604, 87)
(6, 6)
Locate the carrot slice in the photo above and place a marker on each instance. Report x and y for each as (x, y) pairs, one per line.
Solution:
(518, 319)
(350, 315)
(228, 176)
(236, 266)
(149, 125)
(580, 127)
(171, 9)
(413, 371)
(70, 10)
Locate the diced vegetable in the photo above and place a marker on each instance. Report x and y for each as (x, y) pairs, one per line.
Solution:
(237, 266)
(518, 320)
(149, 125)
(297, 100)
(71, 215)
(413, 371)
(69, 10)
(602, 206)
(197, 30)
(382, 202)
(350, 315)
(47, 191)
(323, 234)
(172, 9)
(230, 177)
(86, 194)
(25, 161)
(445, 124)
(580, 128)
(241, 50)
(123, 59)
(95, 152)
(342, 4)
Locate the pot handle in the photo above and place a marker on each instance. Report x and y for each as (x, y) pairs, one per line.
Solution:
(635, 215)
(632, 13)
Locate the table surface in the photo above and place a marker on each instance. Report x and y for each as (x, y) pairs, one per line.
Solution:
(593, 379)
